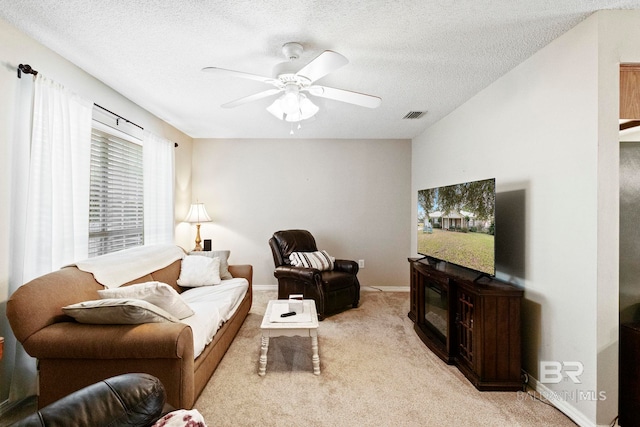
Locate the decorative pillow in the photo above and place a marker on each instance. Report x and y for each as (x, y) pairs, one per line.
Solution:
(199, 270)
(319, 259)
(156, 293)
(224, 261)
(118, 311)
(182, 418)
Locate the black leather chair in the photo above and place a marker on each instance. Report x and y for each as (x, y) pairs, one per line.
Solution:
(332, 290)
(125, 400)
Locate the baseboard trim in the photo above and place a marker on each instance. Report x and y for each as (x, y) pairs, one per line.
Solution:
(7, 406)
(363, 288)
(265, 287)
(385, 288)
(561, 404)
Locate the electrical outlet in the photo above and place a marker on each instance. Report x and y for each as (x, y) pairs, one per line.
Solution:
(361, 263)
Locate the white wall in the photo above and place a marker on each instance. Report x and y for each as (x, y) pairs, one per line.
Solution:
(548, 130)
(619, 42)
(352, 195)
(535, 131)
(16, 48)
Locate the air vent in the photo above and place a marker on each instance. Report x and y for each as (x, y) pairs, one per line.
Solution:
(414, 115)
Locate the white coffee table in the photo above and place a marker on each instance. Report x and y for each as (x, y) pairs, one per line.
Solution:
(304, 324)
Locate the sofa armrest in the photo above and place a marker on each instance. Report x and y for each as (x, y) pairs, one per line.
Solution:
(308, 274)
(296, 273)
(72, 340)
(242, 270)
(347, 266)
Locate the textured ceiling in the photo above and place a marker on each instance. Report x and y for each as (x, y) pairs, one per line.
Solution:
(416, 55)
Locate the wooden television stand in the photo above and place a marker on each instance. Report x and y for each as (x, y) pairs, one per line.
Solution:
(468, 321)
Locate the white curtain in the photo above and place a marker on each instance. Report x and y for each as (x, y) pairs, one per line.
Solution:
(50, 225)
(17, 362)
(158, 168)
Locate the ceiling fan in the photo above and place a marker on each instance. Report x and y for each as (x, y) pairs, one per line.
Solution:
(293, 81)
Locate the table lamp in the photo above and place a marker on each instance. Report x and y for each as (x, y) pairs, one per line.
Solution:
(197, 214)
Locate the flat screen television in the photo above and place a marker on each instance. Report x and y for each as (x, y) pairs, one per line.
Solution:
(456, 224)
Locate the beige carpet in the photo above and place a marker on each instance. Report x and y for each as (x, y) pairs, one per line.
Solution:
(375, 372)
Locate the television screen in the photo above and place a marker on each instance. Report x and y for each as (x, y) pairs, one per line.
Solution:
(456, 224)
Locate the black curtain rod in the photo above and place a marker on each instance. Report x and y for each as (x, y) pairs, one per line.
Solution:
(118, 116)
(26, 68)
(126, 120)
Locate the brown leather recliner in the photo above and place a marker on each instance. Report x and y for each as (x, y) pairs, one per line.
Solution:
(332, 290)
(132, 400)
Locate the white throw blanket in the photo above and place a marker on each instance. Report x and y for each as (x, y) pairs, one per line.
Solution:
(212, 306)
(118, 268)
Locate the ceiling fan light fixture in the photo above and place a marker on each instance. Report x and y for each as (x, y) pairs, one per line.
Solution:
(290, 101)
(290, 80)
(293, 107)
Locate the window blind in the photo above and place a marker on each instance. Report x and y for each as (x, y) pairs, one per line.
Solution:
(116, 199)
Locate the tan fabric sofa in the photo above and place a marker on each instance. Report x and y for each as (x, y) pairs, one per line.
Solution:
(72, 355)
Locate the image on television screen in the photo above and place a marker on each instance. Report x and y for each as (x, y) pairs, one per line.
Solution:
(456, 224)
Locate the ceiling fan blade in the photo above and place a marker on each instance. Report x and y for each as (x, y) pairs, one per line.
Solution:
(348, 96)
(232, 73)
(250, 98)
(322, 65)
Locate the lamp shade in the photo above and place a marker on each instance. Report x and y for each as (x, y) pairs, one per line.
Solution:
(197, 214)
(293, 106)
